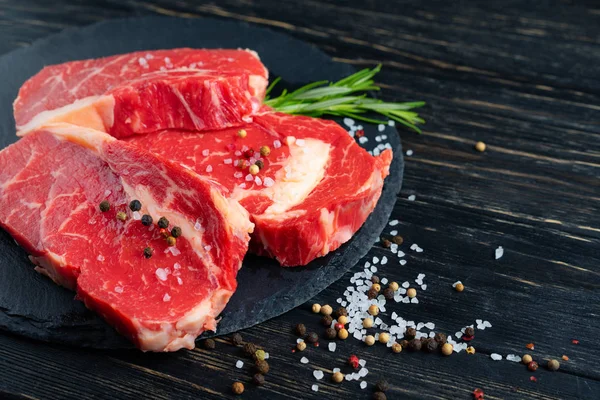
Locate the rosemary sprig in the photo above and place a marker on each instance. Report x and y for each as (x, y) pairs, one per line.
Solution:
(345, 98)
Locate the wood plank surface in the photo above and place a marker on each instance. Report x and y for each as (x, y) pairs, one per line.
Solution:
(524, 77)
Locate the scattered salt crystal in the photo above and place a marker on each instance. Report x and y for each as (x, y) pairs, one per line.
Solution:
(378, 138)
(179, 281)
(412, 197)
(238, 174)
(375, 260)
(249, 178)
(393, 233)
(414, 300)
(357, 335)
(336, 370)
(363, 372)
(405, 284)
(402, 262)
(166, 297)
(384, 280)
(276, 144)
(161, 274)
(242, 185)
(495, 356)
(513, 357)
(304, 360)
(363, 139)
(119, 289)
(207, 248)
(237, 153)
(409, 153)
(391, 122)
(266, 355)
(209, 168)
(318, 374)
(299, 340)
(239, 364)
(373, 269)
(430, 325)
(381, 127)
(100, 257)
(174, 250)
(197, 226)
(268, 182)
(332, 346)
(424, 286)
(315, 388)
(227, 161)
(384, 261)
(257, 180)
(107, 193)
(300, 142)
(414, 246)
(362, 362)
(499, 252)
(205, 152)
(363, 384)
(456, 283)
(349, 122)
(393, 222)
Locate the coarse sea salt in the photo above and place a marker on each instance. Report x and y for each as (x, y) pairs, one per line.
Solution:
(349, 122)
(119, 289)
(161, 274)
(166, 297)
(499, 252)
(100, 257)
(276, 144)
(209, 168)
(495, 356)
(381, 127)
(336, 370)
(315, 388)
(331, 346)
(318, 374)
(227, 161)
(412, 197)
(393, 222)
(268, 182)
(363, 384)
(409, 153)
(304, 360)
(239, 364)
(363, 139)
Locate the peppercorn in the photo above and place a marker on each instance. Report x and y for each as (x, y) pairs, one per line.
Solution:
(469, 331)
(396, 347)
(382, 386)
(259, 354)
(532, 366)
(300, 330)
(377, 287)
(236, 339)
(343, 334)
(237, 387)
(258, 379)
(342, 319)
(480, 147)
(526, 359)
(163, 223)
(379, 396)
(373, 310)
(104, 206)
(326, 309)
(312, 337)
(171, 241)
(241, 164)
(404, 344)
(262, 366)
(341, 312)
(301, 346)
(249, 153)
(209, 344)
(121, 216)
(388, 293)
(338, 326)
(249, 348)
(553, 365)
(470, 350)
(459, 287)
(368, 323)
(410, 333)
(398, 240)
(164, 233)
(386, 243)
(431, 346)
(254, 169)
(411, 293)
(316, 308)
(369, 340)
(371, 294)
(447, 349)
(148, 251)
(330, 333)
(265, 151)
(440, 338)
(337, 377)
(394, 286)
(414, 345)
(146, 220)
(242, 133)
(135, 205)
(353, 361)
(259, 164)
(326, 321)
(176, 232)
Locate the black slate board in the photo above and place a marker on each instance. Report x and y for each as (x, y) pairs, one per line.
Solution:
(32, 306)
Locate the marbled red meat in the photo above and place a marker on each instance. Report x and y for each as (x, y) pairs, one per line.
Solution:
(51, 183)
(140, 92)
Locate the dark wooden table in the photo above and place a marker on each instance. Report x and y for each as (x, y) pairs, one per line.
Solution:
(521, 76)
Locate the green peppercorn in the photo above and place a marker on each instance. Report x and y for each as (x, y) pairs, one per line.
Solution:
(171, 241)
(259, 164)
(388, 293)
(104, 206)
(236, 339)
(176, 232)
(312, 337)
(330, 333)
(440, 338)
(135, 205)
(300, 330)
(259, 355)
(410, 333)
(146, 220)
(382, 386)
(249, 348)
(262, 366)
(326, 321)
(121, 216)
(258, 379)
(163, 223)
(414, 345)
(148, 251)
(209, 344)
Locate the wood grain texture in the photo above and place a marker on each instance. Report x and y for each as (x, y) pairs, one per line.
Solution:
(522, 77)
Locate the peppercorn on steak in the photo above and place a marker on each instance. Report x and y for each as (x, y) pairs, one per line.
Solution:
(305, 182)
(152, 247)
(140, 92)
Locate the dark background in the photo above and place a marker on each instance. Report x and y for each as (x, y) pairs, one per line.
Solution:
(521, 76)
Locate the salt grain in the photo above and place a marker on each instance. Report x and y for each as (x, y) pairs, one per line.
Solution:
(381, 127)
(239, 364)
(304, 360)
(318, 374)
(391, 122)
(205, 152)
(499, 252)
(249, 178)
(412, 197)
(276, 144)
(161, 274)
(363, 384)
(166, 297)
(332, 346)
(100, 257)
(495, 356)
(119, 289)
(409, 153)
(349, 122)
(315, 388)
(209, 168)
(393, 222)
(227, 161)
(336, 370)
(363, 139)
(268, 182)
(384, 261)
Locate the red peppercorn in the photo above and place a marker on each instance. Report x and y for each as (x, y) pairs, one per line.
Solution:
(575, 341)
(359, 133)
(478, 394)
(249, 153)
(164, 233)
(338, 326)
(353, 361)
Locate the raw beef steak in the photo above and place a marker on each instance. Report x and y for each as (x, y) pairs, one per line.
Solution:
(192, 89)
(51, 184)
(316, 188)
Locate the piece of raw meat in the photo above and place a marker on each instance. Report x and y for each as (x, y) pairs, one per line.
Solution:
(192, 89)
(51, 184)
(315, 191)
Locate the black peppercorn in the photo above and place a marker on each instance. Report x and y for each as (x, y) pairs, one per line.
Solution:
(312, 337)
(404, 344)
(372, 293)
(330, 333)
(379, 396)
(469, 331)
(382, 386)
(163, 223)
(326, 321)
(104, 206)
(259, 164)
(440, 338)
(410, 333)
(414, 345)
(258, 379)
(262, 366)
(148, 252)
(431, 346)
(398, 240)
(374, 279)
(249, 348)
(386, 243)
(209, 344)
(341, 312)
(236, 339)
(135, 205)
(146, 220)
(388, 293)
(300, 330)
(176, 232)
